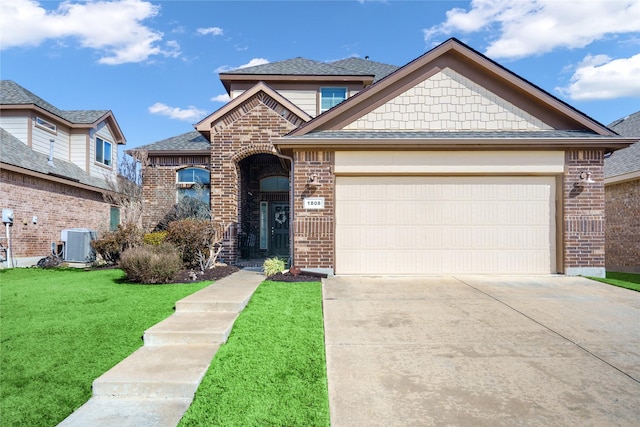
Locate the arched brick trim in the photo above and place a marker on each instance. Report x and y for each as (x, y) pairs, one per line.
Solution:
(251, 150)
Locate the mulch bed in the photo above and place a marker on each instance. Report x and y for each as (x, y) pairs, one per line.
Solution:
(288, 277)
(217, 273)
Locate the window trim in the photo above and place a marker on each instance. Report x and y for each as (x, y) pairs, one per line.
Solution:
(46, 125)
(320, 97)
(186, 185)
(95, 157)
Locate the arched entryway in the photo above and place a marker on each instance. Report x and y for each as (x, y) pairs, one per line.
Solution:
(264, 210)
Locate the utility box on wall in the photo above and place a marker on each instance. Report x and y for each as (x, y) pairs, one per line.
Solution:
(77, 244)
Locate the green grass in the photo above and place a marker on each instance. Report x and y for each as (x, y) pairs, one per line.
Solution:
(271, 371)
(61, 329)
(623, 280)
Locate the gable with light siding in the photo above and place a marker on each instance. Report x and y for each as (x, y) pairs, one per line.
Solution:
(448, 101)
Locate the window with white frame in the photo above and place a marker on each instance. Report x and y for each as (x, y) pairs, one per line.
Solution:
(194, 183)
(331, 96)
(46, 125)
(103, 152)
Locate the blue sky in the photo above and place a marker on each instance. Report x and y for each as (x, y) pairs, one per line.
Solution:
(155, 64)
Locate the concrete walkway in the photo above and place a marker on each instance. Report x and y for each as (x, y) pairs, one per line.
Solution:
(156, 384)
(481, 351)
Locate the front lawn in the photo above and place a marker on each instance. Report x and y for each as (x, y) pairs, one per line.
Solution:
(61, 329)
(271, 371)
(623, 280)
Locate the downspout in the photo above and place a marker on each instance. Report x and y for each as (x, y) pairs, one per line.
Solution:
(291, 204)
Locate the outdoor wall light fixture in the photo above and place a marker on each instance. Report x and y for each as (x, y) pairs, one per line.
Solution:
(584, 178)
(313, 181)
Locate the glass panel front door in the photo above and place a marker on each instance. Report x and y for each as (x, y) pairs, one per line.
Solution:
(279, 227)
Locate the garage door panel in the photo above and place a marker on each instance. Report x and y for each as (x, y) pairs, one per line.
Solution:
(436, 225)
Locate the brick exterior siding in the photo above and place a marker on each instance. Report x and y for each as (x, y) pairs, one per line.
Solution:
(250, 134)
(313, 230)
(623, 226)
(57, 206)
(584, 240)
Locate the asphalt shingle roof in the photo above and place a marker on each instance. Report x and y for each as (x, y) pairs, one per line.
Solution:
(377, 69)
(12, 93)
(14, 152)
(626, 160)
(190, 141)
(302, 66)
(345, 134)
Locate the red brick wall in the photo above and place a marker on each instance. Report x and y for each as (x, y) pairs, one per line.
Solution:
(622, 227)
(313, 230)
(584, 210)
(249, 134)
(57, 206)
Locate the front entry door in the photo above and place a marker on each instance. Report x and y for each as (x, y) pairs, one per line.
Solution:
(279, 226)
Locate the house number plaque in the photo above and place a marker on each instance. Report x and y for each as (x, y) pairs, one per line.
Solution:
(314, 203)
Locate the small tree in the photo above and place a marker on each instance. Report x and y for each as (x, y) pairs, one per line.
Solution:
(125, 191)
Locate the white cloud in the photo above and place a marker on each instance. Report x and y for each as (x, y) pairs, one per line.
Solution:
(191, 114)
(539, 26)
(221, 98)
(216, 31)
(600, 77)
(125, 39)
(252, 63)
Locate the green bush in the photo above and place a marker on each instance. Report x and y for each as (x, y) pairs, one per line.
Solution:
(112, 244)
(151, 264)
(155, 238)
(194, 238)
(273, 266)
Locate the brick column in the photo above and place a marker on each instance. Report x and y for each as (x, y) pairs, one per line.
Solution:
(584, 238)
(313, 230)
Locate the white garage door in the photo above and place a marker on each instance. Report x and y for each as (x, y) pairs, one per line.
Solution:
(440, 225)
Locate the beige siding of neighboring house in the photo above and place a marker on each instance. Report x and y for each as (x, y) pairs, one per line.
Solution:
(97, 169)
(41, 141)
(448, 101)
(78, 150)
(16, 125)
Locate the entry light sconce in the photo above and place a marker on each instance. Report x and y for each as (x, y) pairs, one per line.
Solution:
(584, 178)
(313, 181)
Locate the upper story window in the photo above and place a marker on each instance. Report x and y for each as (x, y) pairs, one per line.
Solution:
(331, 96)
(274, 183)
(194, 183)
(103, 151)
(48, 126)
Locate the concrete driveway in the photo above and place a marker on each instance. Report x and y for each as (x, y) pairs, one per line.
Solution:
(481, 351)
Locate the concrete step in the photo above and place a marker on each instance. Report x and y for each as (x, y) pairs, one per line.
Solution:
(205, 327)
(154, 372)
(128, 412)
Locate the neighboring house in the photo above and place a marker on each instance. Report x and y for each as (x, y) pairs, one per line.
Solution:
(450, 164)
(622, 200)
(54, 168)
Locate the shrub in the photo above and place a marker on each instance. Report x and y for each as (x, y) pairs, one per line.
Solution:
(151, 264)
(273, 266)
(155, 238)
(112, 244)
(196, 239)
